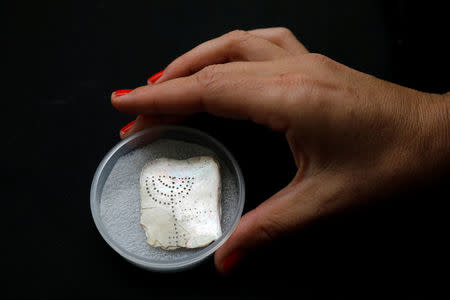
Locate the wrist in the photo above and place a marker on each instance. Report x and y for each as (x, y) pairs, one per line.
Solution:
(446, 119)
(436, 130)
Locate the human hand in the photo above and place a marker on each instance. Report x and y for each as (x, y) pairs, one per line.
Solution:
(353, 137)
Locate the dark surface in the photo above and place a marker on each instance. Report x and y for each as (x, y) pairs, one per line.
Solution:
(65, 58)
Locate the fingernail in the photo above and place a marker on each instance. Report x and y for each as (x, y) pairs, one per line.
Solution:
(231, 261)
(127, 127)
(119, 93)
(155, 77)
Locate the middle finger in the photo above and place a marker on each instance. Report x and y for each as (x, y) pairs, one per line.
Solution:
(234, 46)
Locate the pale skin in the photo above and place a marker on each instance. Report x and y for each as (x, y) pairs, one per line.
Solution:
(354, 138)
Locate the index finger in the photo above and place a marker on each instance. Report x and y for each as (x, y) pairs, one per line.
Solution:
(213, 90)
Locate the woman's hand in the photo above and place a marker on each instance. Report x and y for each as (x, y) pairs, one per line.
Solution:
(353, 137)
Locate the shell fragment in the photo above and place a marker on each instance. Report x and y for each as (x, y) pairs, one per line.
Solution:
(180, 202)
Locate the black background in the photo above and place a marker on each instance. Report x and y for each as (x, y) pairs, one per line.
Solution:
(63, 59)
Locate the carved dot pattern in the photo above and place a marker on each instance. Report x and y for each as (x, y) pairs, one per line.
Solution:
(163, 191)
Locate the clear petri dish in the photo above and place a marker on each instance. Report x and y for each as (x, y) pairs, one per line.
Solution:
(115, 202)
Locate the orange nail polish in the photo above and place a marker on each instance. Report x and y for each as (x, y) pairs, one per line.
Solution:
(119, 93)
(155, 77)
(127, 127)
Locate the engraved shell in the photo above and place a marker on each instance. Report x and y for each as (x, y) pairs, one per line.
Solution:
(180, 202)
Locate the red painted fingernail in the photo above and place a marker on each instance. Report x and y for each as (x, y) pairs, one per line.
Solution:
(155, 77)
(119, 93)
(127, 127)
(231, 261)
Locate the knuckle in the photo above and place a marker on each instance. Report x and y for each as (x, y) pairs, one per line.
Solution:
(209, 77)
(322, 60)
(283, 32)
(267, 229)
(270, 229)
(237, 36)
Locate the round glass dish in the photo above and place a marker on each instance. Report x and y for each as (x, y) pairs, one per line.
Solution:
(117, 217)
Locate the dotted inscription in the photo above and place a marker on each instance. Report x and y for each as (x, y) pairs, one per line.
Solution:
(170, 191)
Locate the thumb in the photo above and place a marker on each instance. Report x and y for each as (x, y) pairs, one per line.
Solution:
(284, 212)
